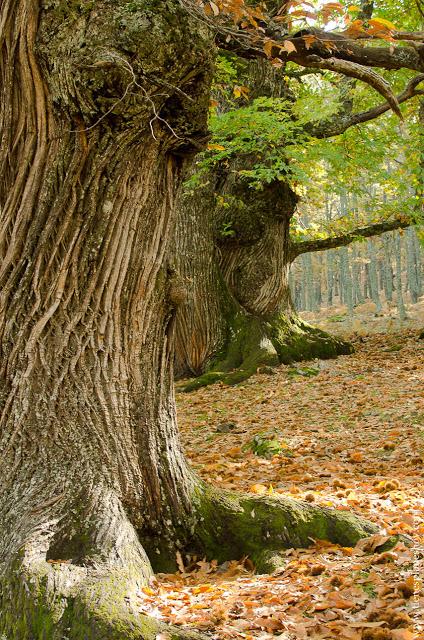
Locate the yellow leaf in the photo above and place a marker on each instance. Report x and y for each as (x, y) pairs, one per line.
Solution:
(214, 8)
(216, 147)
(383, 22)
(258, 488)
(203, 588)
(269, 44)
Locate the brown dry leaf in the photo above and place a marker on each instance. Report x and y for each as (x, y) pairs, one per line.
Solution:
(369, 545)
(288, 46)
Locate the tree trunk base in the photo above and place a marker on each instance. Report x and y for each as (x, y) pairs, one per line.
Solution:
(256, 344)
(41, 600)
(58, 602)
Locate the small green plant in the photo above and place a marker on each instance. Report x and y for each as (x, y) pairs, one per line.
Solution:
(337, 318)
(226, 231)
(263, 445)
(367, 587)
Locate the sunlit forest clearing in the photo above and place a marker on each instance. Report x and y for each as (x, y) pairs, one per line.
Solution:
(211, 319)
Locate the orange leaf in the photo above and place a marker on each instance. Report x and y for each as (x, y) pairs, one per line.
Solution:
(382, 22)
(309, 39)
(203, 588)
(356, 457)
(403, 634)
(288, 46)
(258, 488)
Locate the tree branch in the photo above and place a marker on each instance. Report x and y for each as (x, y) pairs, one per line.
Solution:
(325, 45)
(340, 122)
(331, 51)
(322, 244)
(316, 48)
(358, 71)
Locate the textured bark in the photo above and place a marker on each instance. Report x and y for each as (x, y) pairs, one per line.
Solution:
(90, 163)
(237, 315)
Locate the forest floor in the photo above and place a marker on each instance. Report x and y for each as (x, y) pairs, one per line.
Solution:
(346, 433)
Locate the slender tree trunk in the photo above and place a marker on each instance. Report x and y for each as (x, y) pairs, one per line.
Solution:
(346, 280)
(373, 276)
(330, 277)
(412, 266)
(387, 239)
(356, 276)
(399, 284)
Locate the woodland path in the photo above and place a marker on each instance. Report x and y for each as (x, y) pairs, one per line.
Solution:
(351, 435)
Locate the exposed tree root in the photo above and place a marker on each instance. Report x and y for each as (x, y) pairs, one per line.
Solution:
(95, 598)
(234, 525)
(256, 344)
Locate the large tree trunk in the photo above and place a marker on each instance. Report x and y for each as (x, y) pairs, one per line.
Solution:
(91, 462)
(95, 116)
(237, 315)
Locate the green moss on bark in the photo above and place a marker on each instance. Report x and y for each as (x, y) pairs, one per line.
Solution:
(256, 342)
(232, 525)
(34, 606)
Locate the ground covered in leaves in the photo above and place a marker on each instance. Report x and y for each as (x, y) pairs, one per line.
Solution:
(346, 433)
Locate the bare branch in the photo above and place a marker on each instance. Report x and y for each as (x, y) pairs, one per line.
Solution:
(341, 122)
(344, 239)
(354, 70)
(410, 36)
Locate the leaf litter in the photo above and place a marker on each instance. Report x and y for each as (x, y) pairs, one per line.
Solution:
(351, 437)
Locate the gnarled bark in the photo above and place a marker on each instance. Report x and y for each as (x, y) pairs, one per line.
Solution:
(233, 252)
(237, 316)
(92, 471)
